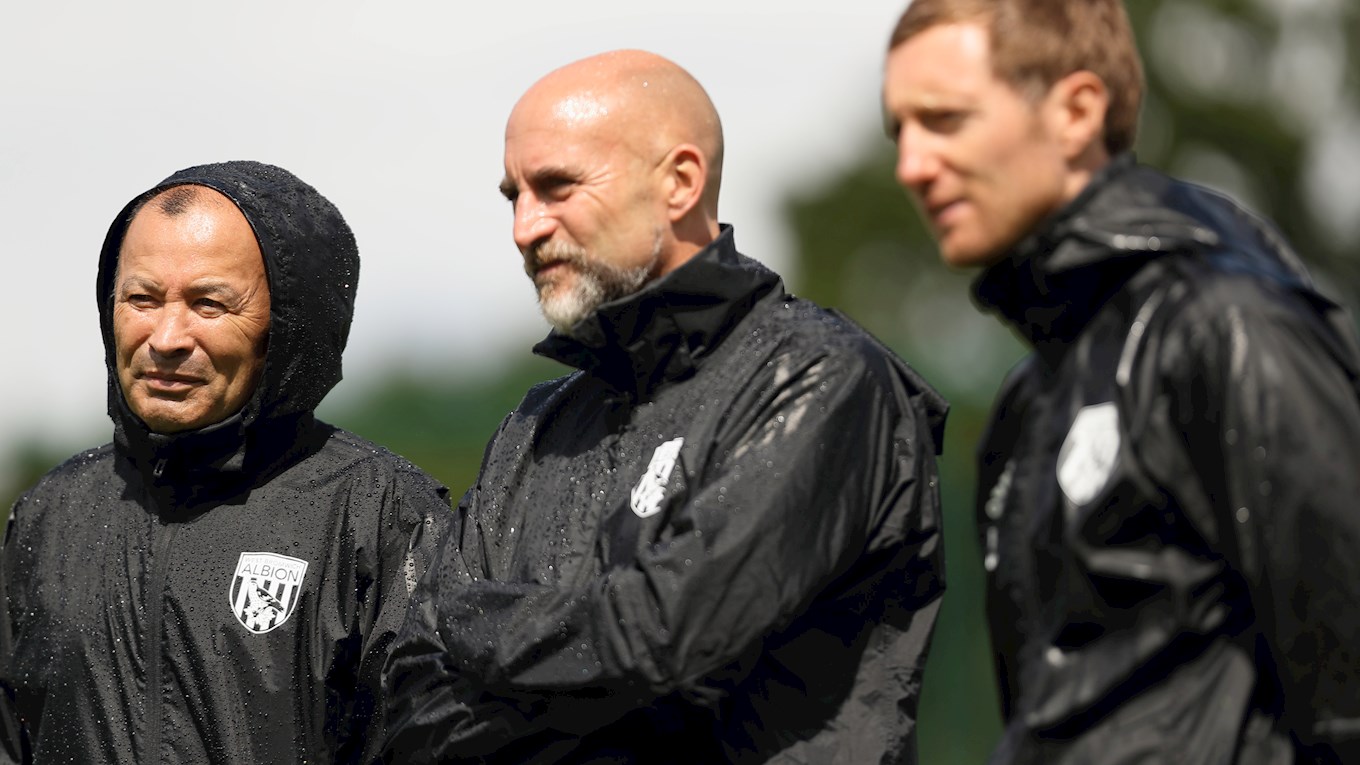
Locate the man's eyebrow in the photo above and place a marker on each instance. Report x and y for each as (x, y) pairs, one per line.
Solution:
(543, 177)
(209, 286)
(135, 282)
(212, 286)
(553, 174)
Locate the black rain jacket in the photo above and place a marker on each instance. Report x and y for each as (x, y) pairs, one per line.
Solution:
(719, 541)
(225, 595)
(1168, 493)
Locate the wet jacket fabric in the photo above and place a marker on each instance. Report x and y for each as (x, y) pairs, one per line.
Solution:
(717, 541)
(225, 595)
(1168, 491)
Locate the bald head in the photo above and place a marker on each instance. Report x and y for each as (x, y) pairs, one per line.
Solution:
(612, 165)
(648, 103)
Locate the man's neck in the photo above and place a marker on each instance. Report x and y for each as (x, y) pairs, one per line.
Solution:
(1082, 169)
(689, 237)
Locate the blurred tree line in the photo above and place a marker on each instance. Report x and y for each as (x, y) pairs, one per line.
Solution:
(1255, 97)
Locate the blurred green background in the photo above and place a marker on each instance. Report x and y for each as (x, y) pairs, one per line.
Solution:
(1255, 97)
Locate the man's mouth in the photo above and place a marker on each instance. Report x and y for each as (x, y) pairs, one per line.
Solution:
(940, 213)
(168, 381)
(547, 265)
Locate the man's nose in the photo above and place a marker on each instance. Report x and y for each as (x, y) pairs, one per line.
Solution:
(917, 164)
(532, 222)
(171, 335)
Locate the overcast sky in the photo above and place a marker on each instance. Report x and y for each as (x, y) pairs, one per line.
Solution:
(393, 110)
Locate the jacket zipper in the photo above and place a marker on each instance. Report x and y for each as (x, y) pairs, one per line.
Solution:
(160, 565)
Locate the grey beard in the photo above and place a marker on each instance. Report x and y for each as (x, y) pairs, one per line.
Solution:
(596, 282)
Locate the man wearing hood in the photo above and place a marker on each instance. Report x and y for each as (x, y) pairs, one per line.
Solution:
(718, 539)
(1167, 493)
(222, 582)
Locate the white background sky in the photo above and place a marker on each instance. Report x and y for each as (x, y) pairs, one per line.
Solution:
(393, 110)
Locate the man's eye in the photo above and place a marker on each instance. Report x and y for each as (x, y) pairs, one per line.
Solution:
(209, 307)
(944, 121)
(556, 189)
(140, 300)
(892, 128)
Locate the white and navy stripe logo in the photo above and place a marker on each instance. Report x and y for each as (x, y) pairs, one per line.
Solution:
(264, 592)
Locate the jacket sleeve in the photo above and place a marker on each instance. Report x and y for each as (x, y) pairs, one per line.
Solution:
(1277, 407)
(823, 461)
(433, 714)
(13, 737)
(429, 712)
(413, 518)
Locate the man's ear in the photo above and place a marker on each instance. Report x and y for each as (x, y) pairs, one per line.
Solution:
(686, 170)
(1075, 108)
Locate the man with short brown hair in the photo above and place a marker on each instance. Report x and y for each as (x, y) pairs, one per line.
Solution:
(717, 539)
(1167, 491)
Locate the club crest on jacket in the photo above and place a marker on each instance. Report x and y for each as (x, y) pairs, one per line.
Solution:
(1087, 457)
(264, 590)
(647, 496)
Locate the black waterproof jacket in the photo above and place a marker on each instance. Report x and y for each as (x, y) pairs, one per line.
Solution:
(719, 541)
(1168, 494)
(226, 595)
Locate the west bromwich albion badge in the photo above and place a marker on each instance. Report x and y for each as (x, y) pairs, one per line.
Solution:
(647, 497)
(1087, 458)
(265, 589)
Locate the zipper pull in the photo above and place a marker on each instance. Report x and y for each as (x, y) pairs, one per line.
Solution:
(160, 468)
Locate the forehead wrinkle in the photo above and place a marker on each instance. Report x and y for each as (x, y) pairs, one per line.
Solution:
(214, 285)
(202, 285)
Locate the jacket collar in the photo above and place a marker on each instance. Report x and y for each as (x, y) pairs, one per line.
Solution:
(215, 461)
(661, 332)
(1056, 279)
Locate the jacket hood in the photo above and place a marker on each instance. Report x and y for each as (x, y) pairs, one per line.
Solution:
(659, 332)
(312, 264)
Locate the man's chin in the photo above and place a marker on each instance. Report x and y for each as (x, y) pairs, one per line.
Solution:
(564, 303)
(967, 255)
(167, 427)
(561, 311)
(164, 416)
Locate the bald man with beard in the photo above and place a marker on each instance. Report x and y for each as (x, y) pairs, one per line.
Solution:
(717, 539)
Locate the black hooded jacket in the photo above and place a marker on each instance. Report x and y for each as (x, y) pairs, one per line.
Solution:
(718, 541)
(227, 594)
(1168, 493)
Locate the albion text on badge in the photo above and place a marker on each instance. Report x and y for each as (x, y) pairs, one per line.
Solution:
(265, 589)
